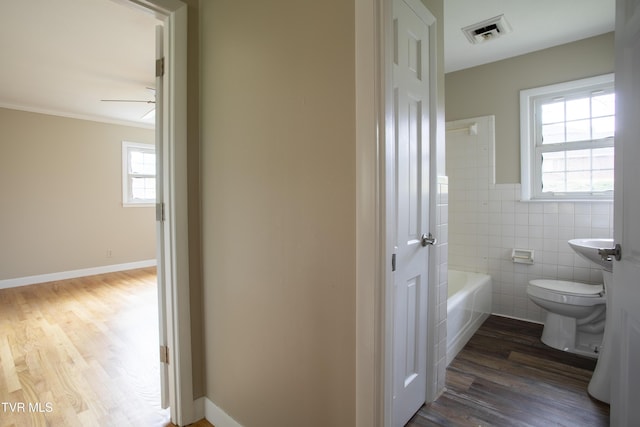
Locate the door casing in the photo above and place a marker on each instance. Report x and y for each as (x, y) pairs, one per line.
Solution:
(625, 300)
(410, 283)
(374, 102)
(175, 244)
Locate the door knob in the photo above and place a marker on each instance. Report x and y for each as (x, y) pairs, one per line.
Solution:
(427, 239)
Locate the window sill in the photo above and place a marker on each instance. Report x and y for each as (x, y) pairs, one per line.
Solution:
(567, 200)
(139, 205)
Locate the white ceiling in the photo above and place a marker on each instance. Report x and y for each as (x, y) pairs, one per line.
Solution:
(64, 56)
(536, 24)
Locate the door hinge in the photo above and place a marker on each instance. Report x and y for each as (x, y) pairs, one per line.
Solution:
(160, 67)
(160, 212)
(393, 262)
(164, 354)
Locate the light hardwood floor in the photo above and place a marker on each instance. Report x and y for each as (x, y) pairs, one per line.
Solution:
(81, 352)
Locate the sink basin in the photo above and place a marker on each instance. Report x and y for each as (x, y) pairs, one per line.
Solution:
(588, 249)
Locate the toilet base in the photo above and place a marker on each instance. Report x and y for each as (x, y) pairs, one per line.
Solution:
(562, 333)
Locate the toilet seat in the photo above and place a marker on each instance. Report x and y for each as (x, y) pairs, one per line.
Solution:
(571, 293)
(569, 288)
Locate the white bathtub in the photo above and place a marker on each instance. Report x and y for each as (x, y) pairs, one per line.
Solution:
(468, 305)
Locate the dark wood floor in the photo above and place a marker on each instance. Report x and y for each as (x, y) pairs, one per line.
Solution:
(505, 376)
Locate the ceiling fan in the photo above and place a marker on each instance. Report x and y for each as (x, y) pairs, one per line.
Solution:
(149, 114)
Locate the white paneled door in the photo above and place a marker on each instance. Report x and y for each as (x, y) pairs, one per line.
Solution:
(411, 96)
(625, 390)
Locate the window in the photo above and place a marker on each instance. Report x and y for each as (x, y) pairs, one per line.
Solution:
(138, 174)
(567, 136)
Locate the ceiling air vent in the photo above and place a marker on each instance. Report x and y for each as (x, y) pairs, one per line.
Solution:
(487, 30)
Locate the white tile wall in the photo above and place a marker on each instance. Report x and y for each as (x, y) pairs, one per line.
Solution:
(544, 227)
(469, 168)
(441, 263)
(486, 221)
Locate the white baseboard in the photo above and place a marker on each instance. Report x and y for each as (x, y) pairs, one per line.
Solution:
(217, 416)
(198, 409)
(72, 274)
(517, 318)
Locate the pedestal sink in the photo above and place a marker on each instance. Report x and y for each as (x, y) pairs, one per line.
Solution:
(588, 249)
(600, 386)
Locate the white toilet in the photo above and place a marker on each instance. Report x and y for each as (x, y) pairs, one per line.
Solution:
(577, 318)
(576, 314)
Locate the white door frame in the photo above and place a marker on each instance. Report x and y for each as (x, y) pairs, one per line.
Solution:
(374, 115)
(405, 399)
(176, 244)
(625, 300)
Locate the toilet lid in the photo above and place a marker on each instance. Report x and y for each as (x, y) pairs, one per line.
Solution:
(573, 288)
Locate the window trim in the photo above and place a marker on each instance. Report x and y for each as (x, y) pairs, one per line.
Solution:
(127, 200)
(529, 175)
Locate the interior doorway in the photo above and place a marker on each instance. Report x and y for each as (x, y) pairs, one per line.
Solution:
(113, 254)
(172, 208)
(410, 105)
(408, 215)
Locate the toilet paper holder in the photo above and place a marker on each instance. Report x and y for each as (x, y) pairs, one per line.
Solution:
(522, 256)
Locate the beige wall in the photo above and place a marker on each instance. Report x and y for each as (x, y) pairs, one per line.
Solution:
(193, 194)
(278, 210)
(61, 187)
(494, 89)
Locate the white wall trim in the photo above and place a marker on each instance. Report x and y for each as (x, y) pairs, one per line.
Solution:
(217, 416)
(174, 243)
(87, 117)
(72, 274)
(198, 408)
(369, 227)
